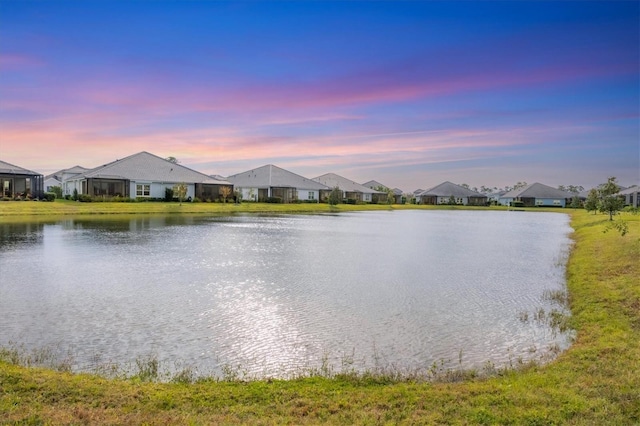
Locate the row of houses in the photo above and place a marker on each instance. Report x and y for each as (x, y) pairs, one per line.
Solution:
(145, 175)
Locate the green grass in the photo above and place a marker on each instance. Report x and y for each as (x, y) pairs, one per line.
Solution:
(596, 381)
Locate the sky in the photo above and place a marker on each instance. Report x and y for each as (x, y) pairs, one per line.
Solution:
(408, 93)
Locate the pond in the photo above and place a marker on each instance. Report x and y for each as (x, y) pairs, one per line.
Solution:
(273, 296)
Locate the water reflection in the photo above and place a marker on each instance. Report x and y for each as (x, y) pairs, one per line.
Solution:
(274, 295)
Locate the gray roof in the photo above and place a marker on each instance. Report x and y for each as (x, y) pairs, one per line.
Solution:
(448, 189)
(73, 170)
(537, 190)
(373, 184)
(397, 191)
(631, 190)
(271, 176)
(144, 166)
(332, 180)
(10, 169)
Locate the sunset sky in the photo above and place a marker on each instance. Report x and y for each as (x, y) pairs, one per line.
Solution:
(407, 93)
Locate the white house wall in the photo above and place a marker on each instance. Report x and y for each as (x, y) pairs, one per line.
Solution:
(249, 194)
(157, 189)
(69, 186)
(48, 183)
(303, 194)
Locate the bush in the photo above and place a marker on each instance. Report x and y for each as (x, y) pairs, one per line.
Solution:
(517, 204)
(351, 201)
(83, 198)
(274, 200)
(49, 196)
(168, 194)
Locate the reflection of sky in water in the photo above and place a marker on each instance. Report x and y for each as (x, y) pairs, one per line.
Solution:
(274, 295)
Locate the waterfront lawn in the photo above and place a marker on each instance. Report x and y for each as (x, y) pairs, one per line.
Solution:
(596, 381)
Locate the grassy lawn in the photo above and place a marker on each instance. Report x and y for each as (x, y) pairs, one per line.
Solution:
(597, 381)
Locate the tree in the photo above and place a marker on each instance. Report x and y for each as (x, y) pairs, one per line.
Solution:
(225, 191)
(591, 203)
(56, 190)
(574, 189)
(335, 196)
(391, 196)
(575, 202)
(173, 160)
(610, 201)
(180, 190)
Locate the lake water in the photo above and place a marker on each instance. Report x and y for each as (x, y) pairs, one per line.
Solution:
(273, 296)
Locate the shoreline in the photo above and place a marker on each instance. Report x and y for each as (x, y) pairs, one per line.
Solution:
(595, 381)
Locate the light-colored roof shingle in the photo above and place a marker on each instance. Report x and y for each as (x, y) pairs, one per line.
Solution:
(270, 176)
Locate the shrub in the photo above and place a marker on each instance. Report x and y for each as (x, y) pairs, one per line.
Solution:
(49, 196)
(274, 200)
(74, 197)
(517, 204)
(56, 190)
(168, 194)
(83, 198)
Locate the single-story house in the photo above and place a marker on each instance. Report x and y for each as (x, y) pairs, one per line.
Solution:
(399, 196)
(271, 181)
(537, 195)
(494, 197)
(144, 175)
(450, 193)
(631, 195)
(373, 184)
(57, 178)
(350, 189)
(16, 182)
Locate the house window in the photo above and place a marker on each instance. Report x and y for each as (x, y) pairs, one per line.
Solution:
(312, 195)
(143, 190)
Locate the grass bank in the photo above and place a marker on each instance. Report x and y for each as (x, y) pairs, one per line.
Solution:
(18, 209)
(597, 381)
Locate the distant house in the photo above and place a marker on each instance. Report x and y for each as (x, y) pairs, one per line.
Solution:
(374, 184)
(16, 182)
(57, 178)
(350, 190)
(144, 175)
(399, 196)
(494, 197)
(450, 193)
(537, 195)
(631, 196)
(270, 181)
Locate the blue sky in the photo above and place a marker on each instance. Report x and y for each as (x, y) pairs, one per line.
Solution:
(407, 93)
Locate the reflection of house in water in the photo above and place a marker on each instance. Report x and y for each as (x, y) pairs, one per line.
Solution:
(16, 182)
